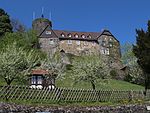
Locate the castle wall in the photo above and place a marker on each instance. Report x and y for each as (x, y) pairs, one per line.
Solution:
(79, 47)
(49, 45)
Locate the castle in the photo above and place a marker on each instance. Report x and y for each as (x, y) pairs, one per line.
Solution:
(78, 43)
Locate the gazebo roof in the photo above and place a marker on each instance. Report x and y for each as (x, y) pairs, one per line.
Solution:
(39, 72)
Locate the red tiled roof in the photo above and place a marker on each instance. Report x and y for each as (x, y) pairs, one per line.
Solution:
(39, 72)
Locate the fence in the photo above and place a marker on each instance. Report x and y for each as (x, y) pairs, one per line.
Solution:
(71, 95)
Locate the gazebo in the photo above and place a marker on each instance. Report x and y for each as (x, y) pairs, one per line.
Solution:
(40, 78)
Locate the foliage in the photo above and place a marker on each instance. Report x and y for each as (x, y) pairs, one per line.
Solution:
(142, 52)
(113, 73)
(16, 62)
(54, 65)
(127, 54)
(135, 74)
(5, 25)
(27, 39)
(89, 69)
(19, 54)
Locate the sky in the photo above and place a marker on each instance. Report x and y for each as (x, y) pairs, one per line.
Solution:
(120, 17)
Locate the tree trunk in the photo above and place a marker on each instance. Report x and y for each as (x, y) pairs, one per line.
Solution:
(93, 85)
(147, 82)
(8, 81)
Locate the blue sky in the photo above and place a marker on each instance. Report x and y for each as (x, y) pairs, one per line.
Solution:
(121, 17)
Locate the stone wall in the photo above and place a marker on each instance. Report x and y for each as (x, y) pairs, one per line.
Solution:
(14, 108)
(79, 47)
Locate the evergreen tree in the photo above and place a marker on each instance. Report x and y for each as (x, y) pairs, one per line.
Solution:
(5, 25)
(142, 52)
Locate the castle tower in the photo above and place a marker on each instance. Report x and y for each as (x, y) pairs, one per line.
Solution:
(40, 24)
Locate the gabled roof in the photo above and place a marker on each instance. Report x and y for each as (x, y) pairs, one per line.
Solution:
(108, 33)
(45, 33)
(64, 34)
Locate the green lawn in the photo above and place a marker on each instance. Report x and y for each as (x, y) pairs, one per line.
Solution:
(110, 84)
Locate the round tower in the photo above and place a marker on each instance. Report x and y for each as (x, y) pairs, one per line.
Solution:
(40, 24)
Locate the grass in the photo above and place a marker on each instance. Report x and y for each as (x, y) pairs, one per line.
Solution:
(72, 104)
(108, 85)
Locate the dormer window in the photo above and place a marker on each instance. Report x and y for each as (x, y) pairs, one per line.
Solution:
(89, 36)
(48, 32)
(69, 35)
(76, 36)
(62, 35)
(83, 36)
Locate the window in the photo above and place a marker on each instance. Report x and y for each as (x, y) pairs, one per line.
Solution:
(69, 35)
(107, 51)
(48, 32)
(83, 36)
(39, 79)
(102, 51)
(78, 42)
(33, 80)
(62, 35)
(110, 44)
(36, 80)
(93, 43)
(76, 36)
(62, 41)
(85, 43)
(69, 41)
(103, 43)
(51, 41)
(89, 36)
